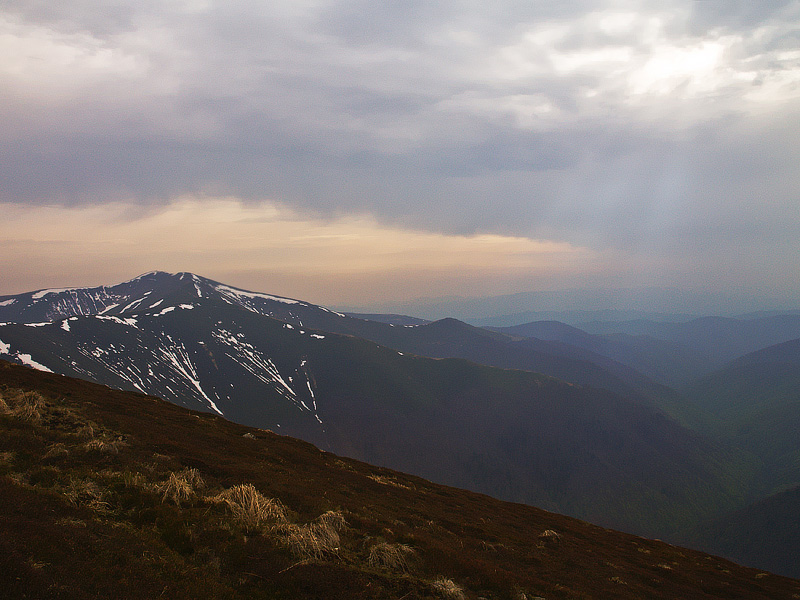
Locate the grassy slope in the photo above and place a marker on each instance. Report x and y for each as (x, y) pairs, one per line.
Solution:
(80, 467)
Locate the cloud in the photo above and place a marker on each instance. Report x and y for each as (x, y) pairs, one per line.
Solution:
(632, 126)
(264, 245)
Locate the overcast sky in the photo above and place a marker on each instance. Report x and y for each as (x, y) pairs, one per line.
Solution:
(348, 152)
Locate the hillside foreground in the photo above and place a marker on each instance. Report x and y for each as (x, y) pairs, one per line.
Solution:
(118, 494)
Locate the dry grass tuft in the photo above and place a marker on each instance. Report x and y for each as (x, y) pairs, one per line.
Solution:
(383, 480)
(332, 519)
(181, 487)
(318, 539)
(55, 450)
(85, 492)
(86, 432)
(448, 589)
(549, 538)
(393, 557)
(251, 508)
(133, 479)
(27, 406)
(104, 445)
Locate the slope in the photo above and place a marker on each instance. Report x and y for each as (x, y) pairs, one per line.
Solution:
(447, 338)
(756, 399)
(722, 339)
(669, 362)
(115, 494)
(513, 434)
(765, 534)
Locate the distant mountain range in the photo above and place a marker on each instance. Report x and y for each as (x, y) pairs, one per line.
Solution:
(583, 423)
(577, 306)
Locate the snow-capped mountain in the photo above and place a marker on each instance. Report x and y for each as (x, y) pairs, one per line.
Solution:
(141, 295)
(185, 338)
(158, 293)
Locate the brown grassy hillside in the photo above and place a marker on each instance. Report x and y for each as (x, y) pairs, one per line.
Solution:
(115, 494)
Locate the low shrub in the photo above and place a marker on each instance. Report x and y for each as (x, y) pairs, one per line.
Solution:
(318, 539)
(250, 508)
(181, 487)
(27, 406)
(393, 557)
(447, 588)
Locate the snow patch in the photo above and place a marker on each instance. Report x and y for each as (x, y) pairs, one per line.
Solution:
(65, 324)
(108, 308)
(229, 291)
(178, 357)
(148, 274)
(171, 308)
(41, 294)
(131, 322)
(7, 302)
(26, 359)
(319, 337)
(136, 302)
(256, 363)
(35, 324)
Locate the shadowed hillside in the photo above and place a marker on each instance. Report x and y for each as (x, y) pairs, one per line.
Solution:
(513, 434)
(765, 534)
(756, 400)
(111, 493)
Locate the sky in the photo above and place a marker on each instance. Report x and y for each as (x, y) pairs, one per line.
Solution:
(358, 153)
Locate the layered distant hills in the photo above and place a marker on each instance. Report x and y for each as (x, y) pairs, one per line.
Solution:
(581, 423)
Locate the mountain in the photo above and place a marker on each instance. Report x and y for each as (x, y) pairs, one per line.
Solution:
(448, 338)
(518, 435)
(391, 319)
(148, 292)
(668, 362)
(765, 534)
(580, 305)
(722, 339)
(756, 400)
(116, 494)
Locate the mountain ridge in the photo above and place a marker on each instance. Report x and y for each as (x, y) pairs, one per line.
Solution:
(512, 433)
